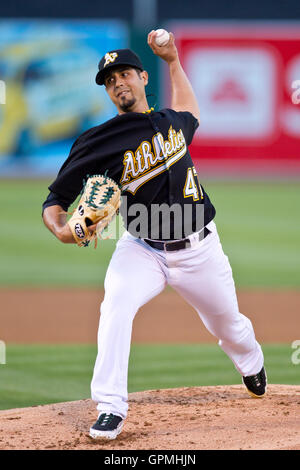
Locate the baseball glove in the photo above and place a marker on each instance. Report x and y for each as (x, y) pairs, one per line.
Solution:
(100, 201)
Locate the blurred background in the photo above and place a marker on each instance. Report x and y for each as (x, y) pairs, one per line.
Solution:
(243, 60)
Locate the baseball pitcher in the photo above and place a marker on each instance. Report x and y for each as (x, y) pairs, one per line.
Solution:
(143, 160)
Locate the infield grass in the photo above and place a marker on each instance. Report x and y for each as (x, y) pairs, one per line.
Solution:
(258, 222)
(41, 374)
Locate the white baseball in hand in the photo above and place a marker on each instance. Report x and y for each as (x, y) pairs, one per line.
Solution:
(162, 37)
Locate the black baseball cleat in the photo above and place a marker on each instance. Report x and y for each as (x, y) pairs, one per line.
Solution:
(107, 426)
(256, 385)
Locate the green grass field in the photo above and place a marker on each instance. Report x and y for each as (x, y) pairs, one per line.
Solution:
(258, 222)
(40, 374)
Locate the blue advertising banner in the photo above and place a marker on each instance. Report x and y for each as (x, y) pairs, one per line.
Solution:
(48, 90)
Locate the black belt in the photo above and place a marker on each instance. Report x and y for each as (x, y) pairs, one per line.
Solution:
(177, 244)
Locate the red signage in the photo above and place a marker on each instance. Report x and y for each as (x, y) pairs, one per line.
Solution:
(247, 79)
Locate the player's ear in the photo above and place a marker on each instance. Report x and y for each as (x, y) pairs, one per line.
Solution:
(145, 77)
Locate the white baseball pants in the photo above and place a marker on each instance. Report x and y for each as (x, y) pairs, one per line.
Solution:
(137, 273)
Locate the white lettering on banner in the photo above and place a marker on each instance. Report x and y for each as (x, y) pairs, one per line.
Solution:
(2, 92)
(292, 78)
(237, 91)
(290, 114)
(296, 94)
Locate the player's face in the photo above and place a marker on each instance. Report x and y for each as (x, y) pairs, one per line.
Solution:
(126, 88)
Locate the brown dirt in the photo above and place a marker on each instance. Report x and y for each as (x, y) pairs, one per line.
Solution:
(182, 419)
(222, 417)
(72, 315)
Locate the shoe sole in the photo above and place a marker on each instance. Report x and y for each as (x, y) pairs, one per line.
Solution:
(94, 434)
(253, 394)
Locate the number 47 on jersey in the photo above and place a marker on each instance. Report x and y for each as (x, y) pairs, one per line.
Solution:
(190, 187)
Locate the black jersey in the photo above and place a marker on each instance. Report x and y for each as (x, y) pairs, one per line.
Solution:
(147, 155)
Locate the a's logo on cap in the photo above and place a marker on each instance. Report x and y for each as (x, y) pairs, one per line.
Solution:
(110, 58)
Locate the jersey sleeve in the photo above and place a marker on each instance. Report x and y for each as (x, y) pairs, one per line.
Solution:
(187, 122)
(190, 125)
(69, 181)
(56, 200)
(89, 155)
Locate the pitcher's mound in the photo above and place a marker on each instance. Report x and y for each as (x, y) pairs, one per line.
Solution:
(222, 417)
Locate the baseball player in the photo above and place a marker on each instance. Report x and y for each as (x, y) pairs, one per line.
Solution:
(146, 153)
